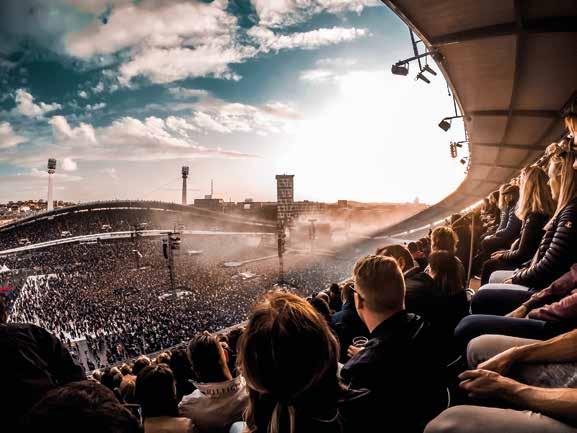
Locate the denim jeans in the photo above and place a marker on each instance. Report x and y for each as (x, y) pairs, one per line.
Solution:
(480, 324)
(499, 299)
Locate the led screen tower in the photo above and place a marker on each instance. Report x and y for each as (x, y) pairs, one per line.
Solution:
(184, 177)
(51, 171)
(285, 198)
(284, 204)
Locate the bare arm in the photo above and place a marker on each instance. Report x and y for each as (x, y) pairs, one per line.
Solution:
(559, 403)
(562, 348)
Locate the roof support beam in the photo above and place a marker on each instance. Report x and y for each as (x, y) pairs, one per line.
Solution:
(486, 164)
(509, 146)
(516, 113)
(543, 25)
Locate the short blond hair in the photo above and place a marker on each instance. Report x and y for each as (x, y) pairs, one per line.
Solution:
(380, 282)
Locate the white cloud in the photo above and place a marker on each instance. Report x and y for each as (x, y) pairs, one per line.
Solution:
(317, 75)
(151, 23)
(268, 40)
(83, 94)
(26, 106)
(94, 107)
(130, 139)
(207, 122)
(68, 164)
(35, 173)
(8, 138)
(183, 93)
(225, 118)
(162, 65)
(165, 41)
(82, 134)
(338, 62)
(99, 88)
(277, 13)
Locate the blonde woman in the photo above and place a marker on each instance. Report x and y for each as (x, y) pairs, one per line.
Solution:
(535, 207)
(558, 248)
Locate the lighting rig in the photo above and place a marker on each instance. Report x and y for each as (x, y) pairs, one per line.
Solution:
(402, 66)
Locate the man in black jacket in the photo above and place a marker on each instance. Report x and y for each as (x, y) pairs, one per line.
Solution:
(398, 364)
(33, 362)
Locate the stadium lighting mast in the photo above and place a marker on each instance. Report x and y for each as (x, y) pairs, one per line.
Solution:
(51, 171)
(184, 177)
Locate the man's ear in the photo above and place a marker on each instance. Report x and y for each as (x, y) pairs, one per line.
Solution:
(360, 303)
(402, 263)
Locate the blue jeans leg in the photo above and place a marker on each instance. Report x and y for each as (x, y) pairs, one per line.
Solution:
(481, 324)
(498, 301)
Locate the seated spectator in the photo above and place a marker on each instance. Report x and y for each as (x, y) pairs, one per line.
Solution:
(33, 362)
(461, 225)
(535, 208)
(508, 229)
(392, 365)
(532, 384)
(162, 358)
(548, 313)
(181, 369)
(419, 285)
(322, 307)
(444, 238)
(491, 214)
(156, 393)
(418, 255)
(288, 356)
(84, 406)
(336, 302)
(346, 323)
(233, 338)
(140, 364)
(111, 378)
(445, 270)
(556, 252)
(219, 399)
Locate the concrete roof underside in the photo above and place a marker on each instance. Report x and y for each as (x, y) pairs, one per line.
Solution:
(512, 67)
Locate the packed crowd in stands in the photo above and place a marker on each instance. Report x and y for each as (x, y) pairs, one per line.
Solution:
(103, 220)
(403, 344)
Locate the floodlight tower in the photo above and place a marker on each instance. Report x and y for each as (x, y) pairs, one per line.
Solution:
(51, 171)
(184, 177)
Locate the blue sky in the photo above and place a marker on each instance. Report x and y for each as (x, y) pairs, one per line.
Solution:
(125, 92)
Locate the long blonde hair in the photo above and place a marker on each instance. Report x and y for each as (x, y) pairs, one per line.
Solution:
(561, 165)
(535, 194)
(288, 357)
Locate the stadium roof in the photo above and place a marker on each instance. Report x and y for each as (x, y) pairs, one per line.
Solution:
(512, 66)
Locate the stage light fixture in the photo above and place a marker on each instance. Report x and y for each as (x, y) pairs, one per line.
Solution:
(445, 124)
(463, 161)
(400, 69)
(421, 76)
(428, 69)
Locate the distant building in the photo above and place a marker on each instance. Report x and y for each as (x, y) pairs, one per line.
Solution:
(210, 203)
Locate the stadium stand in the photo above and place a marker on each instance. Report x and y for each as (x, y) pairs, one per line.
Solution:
(412, 357)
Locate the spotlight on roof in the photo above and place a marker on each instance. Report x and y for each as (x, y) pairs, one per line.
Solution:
(421, 76)
(463, 161)
(445, 124)
(430, 70)
(400, 69)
